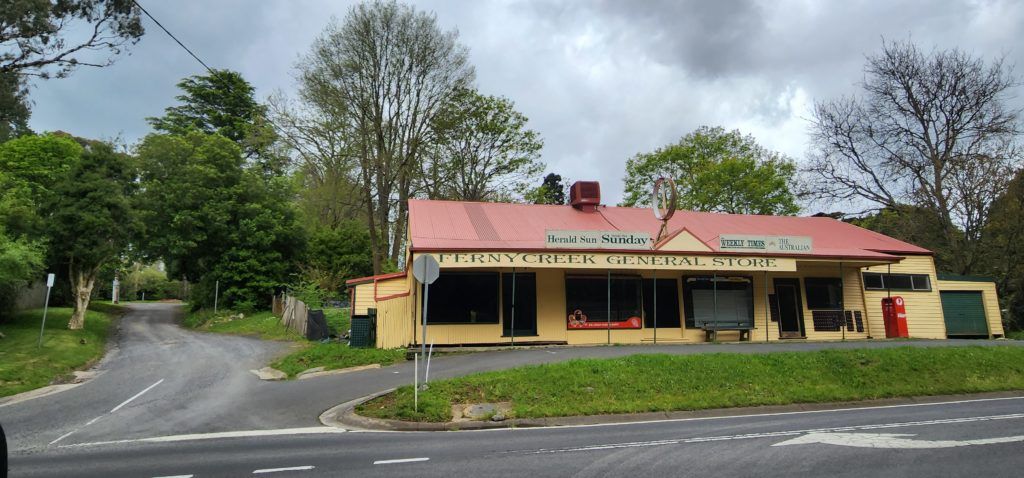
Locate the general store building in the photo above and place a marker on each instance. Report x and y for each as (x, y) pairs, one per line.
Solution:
(586, 273)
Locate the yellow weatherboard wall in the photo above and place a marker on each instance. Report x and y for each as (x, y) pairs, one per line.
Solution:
(399, 315)
(924, 309)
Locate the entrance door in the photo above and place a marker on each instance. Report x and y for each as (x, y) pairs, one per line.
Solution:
(791, 314)
(525, 316)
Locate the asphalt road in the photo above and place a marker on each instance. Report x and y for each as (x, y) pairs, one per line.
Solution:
(931, 440)
(162, 380)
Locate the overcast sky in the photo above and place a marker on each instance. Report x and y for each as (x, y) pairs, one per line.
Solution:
(601, 81)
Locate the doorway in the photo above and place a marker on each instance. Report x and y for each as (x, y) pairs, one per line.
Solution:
(791, 313)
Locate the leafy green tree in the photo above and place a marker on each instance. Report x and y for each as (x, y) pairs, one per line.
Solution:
(716, 170)
(551, 191)
(914, 225)
(53, 37)
(92, 219)
(21, 255)
(1005, 250)
(224, 103)
(335, 255)
(36, 165)
(14, 107)
(211, 219)
(481, 150)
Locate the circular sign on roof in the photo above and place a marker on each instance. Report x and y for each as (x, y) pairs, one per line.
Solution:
(663, 200)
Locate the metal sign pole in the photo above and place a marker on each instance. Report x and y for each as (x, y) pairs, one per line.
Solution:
(416, 383)
(655, 306)
(46, 307)
(608, 324)
(426, 302)
(767, 308)
(512, 326)
(842, 301)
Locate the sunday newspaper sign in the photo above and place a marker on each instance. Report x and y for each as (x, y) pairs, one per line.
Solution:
(562, 239)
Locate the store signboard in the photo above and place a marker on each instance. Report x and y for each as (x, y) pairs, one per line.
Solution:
(611, 260)
(562, 239)
(778, 244)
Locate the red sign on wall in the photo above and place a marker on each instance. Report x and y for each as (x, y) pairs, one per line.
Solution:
(578, 321)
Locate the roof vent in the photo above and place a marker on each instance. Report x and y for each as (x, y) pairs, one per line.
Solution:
(585, 195)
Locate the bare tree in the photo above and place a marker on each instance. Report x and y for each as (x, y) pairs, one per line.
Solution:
(481, 150)
(386, 70)
(930, 130)
(53, 37)
(320, 148)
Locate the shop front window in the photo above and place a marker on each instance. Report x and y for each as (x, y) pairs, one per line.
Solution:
(464, 298)
(667, 303)
(587, 299)
(710, 299)
(824, 293)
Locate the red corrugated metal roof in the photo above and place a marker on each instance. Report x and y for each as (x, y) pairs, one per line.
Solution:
(454, 225)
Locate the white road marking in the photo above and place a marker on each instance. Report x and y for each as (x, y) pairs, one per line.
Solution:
(889, 440)
(94, 420)
(63, 436)
(290, 468)
(400, 460)
(208, 436)
(175, 476)
(678, 441)
(137, 395)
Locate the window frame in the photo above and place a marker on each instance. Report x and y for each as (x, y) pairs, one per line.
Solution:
(885, 285)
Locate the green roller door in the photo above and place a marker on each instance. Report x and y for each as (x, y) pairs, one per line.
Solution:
(964, 312)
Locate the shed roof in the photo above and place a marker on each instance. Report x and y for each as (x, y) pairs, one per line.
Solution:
(458, 225)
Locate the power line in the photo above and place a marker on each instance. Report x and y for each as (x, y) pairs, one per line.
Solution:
(168, 32)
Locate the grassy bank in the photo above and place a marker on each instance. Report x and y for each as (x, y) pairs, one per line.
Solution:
(330, 355)
(1015, 334)
(24, 367)
(263, 325)
(647, 383)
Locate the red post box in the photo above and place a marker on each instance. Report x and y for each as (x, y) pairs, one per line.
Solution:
(894, 314)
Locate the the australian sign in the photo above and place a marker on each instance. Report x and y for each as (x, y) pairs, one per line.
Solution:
(562, 239)
(779, 244)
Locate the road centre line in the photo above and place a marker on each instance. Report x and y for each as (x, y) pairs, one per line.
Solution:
(400, 460)
(137, 395)
(747, 436)
(290, 468)
(94, 420)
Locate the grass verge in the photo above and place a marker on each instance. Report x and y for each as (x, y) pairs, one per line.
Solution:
(262, 325)
(24, 366)
(1015, 335)
(648, 383)
(330, 355)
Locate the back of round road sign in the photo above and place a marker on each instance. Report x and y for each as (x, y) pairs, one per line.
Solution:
(426, 269)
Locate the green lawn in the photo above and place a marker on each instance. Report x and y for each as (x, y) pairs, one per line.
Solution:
(330, 355)
(647, 383)
(24, 367)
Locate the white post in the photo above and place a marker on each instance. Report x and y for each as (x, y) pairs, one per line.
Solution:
(426, 376)
(46, 307)
(115, 295)
(216, 295)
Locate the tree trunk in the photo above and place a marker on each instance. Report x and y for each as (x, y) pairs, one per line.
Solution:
(82, 283)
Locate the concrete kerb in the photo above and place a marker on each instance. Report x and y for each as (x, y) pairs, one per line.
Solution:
(344, 415)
